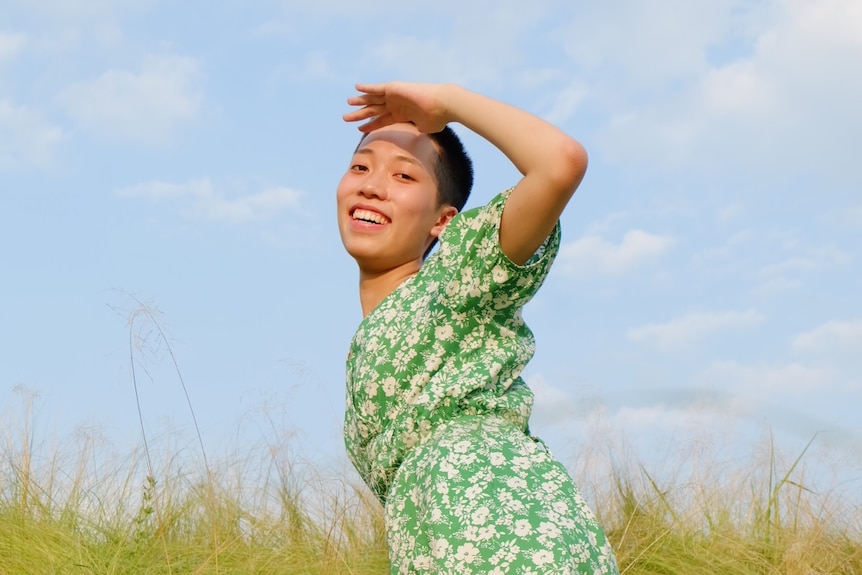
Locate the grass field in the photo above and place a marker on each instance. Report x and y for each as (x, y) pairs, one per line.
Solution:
(76, 508)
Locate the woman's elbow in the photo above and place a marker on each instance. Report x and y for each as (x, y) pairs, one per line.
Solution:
(571, 163)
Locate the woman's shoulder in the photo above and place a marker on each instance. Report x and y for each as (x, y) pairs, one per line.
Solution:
(471, 221)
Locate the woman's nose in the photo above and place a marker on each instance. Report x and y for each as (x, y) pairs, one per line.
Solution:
(373, 185)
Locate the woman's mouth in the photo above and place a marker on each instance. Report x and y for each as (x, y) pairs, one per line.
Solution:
(369, 216)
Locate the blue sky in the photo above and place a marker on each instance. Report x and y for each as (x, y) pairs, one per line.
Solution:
(184, 156)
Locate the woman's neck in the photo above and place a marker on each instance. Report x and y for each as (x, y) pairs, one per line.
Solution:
(375, 286)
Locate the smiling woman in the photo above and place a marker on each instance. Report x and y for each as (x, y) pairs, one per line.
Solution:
(389, 210)
(437, 418)
(187, 156)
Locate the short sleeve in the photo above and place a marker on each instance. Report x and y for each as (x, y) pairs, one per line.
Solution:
(473, 269)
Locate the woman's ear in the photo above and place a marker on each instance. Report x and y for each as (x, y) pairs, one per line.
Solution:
(447, 212)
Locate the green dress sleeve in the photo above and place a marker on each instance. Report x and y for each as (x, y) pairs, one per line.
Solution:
(474, 270)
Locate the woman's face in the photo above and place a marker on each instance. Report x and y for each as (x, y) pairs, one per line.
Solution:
(388, 205)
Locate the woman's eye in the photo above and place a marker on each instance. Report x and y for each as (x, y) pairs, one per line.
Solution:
(403, 176)
(359, 168)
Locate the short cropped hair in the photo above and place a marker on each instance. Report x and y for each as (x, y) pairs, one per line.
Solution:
(454, 169)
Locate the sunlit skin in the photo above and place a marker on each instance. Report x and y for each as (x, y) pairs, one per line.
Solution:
(396, 115)
(388, 208)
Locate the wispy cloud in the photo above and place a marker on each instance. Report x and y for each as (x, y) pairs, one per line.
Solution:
(83, 10)
(147, 104)
(459, 51)
(447, 47)
(727, 258)
(790, 272)
(10, 45)
(687, 330)
(833, 335)
(638, 44)
(635, 409)
(436, 59)
(782, 98)
(556, 405)
(595, 256)
(202, 199)
(764, 379)
(566, 103)
(26, 137)
(854, 215)
(836, 345)
(315, 67)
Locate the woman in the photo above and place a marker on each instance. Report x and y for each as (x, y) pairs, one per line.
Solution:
(437, 414)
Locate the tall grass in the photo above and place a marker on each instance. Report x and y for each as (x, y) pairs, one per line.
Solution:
(77, 507)
(83, 509)
(758, 520)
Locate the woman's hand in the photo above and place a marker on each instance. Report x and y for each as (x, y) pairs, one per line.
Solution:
(423, 105)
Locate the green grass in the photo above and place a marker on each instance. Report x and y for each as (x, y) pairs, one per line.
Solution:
(77, 508)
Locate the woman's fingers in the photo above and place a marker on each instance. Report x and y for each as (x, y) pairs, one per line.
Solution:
(371, 105)
(389, 103)
(377, 122)
(378, 89)
(366, 100)
(377, 116)
(364, 113)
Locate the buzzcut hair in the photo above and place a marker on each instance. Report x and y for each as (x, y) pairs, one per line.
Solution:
(454, 169)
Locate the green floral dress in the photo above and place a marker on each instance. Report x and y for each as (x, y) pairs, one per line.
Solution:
(437, 418)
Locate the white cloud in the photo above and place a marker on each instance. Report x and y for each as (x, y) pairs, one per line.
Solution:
(147, 104)
(835, 335)
(789, 272)
(738, 89)
(633, 424)
(555, 405)
(387, 44)
(727, 258)
(202, 199)
(77, 10)
(835, 345)
(26, 137)
(433, 59)
(459, 51)
(795, 264)
(10, 45)
(313, 67)
(691, 422)
(566, 103)
(648, 43)
(593, 255)
(729, 213)
(636, 410)
(786, 97)
(687, 330)
(763, 379)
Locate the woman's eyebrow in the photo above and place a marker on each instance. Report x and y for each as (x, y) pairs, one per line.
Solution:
(397, 156)
(408, 159)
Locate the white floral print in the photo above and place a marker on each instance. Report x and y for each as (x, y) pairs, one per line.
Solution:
(437, 418)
